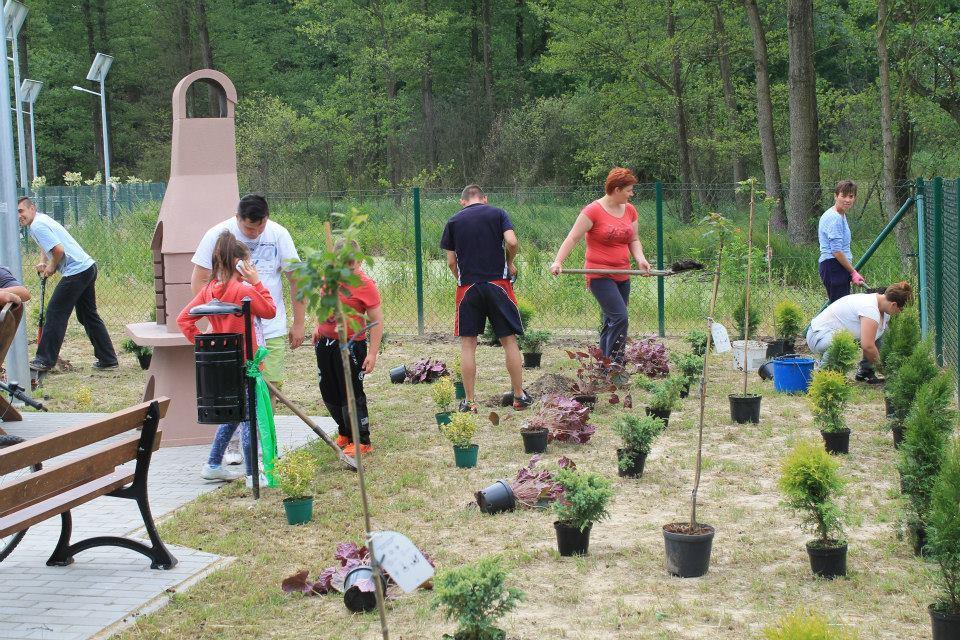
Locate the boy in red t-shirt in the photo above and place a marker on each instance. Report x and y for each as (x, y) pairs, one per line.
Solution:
(364, 301)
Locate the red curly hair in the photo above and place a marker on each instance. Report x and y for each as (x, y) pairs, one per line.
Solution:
(619, 178)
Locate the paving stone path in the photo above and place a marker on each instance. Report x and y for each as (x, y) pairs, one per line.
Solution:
(106, 588)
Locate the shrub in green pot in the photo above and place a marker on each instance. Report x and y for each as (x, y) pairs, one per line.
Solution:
(460, 432)
(459, 392)
(295, 472)
(927, 433)
(842, 354)
(443, 392)
(829, 394)
(943, 542)
(811, 482)
(585, 499)
(475, 596)
(806, 625)
(637, 434)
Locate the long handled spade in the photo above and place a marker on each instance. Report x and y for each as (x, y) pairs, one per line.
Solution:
(680, 266)
(344, 458)
(43, 307)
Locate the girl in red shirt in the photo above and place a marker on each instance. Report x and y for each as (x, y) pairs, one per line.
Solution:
(610, 227)
(362, 306)
(229, 282)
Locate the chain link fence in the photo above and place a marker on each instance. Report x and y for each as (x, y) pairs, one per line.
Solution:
(938, 204)
(405, 225)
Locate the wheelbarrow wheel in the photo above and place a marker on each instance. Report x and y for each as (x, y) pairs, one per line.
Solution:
(10, 542)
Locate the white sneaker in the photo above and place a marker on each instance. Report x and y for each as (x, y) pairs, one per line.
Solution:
(233, 455)
(219, 473)
(263, 481)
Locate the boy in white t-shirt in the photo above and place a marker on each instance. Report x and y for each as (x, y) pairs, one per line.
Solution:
(865, 315)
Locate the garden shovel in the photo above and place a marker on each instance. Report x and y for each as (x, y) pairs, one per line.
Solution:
(344, 458)
(43, 307)
(677, 267)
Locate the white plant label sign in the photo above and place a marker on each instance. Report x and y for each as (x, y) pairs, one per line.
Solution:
(401, 559)
(721, 339)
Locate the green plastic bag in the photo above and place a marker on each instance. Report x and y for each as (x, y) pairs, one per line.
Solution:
(265, 425)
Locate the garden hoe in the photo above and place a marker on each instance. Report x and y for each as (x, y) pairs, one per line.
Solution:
(344, 458)
(36, 376)
(680, 266)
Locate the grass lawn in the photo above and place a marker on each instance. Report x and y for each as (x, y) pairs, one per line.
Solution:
(758, 572)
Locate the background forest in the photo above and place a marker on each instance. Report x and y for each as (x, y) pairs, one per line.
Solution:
(341, 94)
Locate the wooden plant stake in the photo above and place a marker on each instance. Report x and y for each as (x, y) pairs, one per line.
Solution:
(344, 458)
(746, 301)
(703, 382)
(355, 432)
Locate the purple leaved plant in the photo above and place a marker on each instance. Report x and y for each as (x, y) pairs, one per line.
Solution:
(647, 355)
(564, 418)
(533, 488)
(594, 371)
(426, 370)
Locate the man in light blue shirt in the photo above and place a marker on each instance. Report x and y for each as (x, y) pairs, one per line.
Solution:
(836, 260)
(76, 290)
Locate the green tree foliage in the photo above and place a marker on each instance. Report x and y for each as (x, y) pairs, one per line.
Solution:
(842, 353)
(475, 596)
(899, 340)
(916, 369)
(811, 482)
(927, 432)
(806, 625)
(829, 394)
(787, 319)
(943, 529)
(585, 498)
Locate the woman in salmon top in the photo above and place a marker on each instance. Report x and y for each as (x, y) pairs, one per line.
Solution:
(610, 227)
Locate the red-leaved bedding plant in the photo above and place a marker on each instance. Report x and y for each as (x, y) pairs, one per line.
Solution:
(532, 488)
(647, 355)
(564, 418)
(426, 370)
(594, 370)
(349, 556)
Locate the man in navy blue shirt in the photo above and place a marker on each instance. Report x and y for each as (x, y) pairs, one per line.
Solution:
(481, 246)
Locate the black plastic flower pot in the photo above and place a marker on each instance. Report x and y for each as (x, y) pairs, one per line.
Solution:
(836, 441)
(356, 600)
(633, 467)
(531, 360)
(918, 537)
(659, 413)
(144, 360)
(889, 407)
(688, 554)
(766, 370)
(827, 561)
(685, 391)
(946, 626)
(571, 541)
(745, 409)
(897, 431)
(779, 347)
(496, 498)
(535, 440)
(398, 374)
(586, 399)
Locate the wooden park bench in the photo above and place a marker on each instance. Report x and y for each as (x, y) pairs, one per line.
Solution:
(63, 485)
(10, 316)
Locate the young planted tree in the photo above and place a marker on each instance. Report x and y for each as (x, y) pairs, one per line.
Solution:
(917, 368)
(475, 596)
(943, 534)
(829, 394)
(841, 355)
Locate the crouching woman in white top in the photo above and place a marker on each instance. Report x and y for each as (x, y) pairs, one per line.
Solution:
(865, 315)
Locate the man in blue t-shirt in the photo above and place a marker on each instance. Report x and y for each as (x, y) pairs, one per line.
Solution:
(60, 252)
(836, 259)
(481, 246)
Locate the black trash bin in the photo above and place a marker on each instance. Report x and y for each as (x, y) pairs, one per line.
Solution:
(220, 378)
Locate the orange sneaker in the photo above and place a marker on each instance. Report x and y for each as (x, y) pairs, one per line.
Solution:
(351, 449)
(342, 441)
(366, 448)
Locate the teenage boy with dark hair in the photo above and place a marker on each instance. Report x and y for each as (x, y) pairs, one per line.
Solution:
(481, 246)
(76, 290)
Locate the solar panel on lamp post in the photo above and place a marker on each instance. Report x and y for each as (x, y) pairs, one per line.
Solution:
(98, 73)
(16, 14)
(29, 91)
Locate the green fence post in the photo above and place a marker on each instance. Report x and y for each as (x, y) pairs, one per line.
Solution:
(922, 256)
(418, 256)
(938, 267)
(661, 323)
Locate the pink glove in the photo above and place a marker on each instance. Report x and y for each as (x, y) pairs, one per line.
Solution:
(857, 279)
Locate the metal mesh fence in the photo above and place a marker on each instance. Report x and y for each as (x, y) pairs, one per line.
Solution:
(542, 218)
(940, 212)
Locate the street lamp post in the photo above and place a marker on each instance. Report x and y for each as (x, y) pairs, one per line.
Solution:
(16, 13)
(98, 73)
(28, 93)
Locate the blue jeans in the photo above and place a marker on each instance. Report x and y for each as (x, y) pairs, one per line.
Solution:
(613, 297)
(222, 439)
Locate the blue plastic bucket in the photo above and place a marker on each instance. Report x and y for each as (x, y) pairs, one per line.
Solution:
(791, 374)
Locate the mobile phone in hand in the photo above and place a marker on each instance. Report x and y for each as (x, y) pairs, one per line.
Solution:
(240, 266)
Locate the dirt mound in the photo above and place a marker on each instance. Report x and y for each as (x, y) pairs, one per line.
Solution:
(550, 383)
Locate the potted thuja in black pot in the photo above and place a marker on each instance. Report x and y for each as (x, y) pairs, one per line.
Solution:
(943, 543)
(689, 366)
(745, 407)
(531, 345)
(637, 434)
(664, 397)
(144, 354)
(688, 544)
(829, 394)
(787, 325)
(810, 481)
(584, 501)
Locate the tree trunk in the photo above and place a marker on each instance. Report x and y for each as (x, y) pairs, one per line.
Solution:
(904, 153)
(474, 32)
(686, 169)
(768, 143)
(518, 33)
(426, 94)
(206, 53)
(89, 26)
(804, 128)
(730, 100)
(487, 57)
